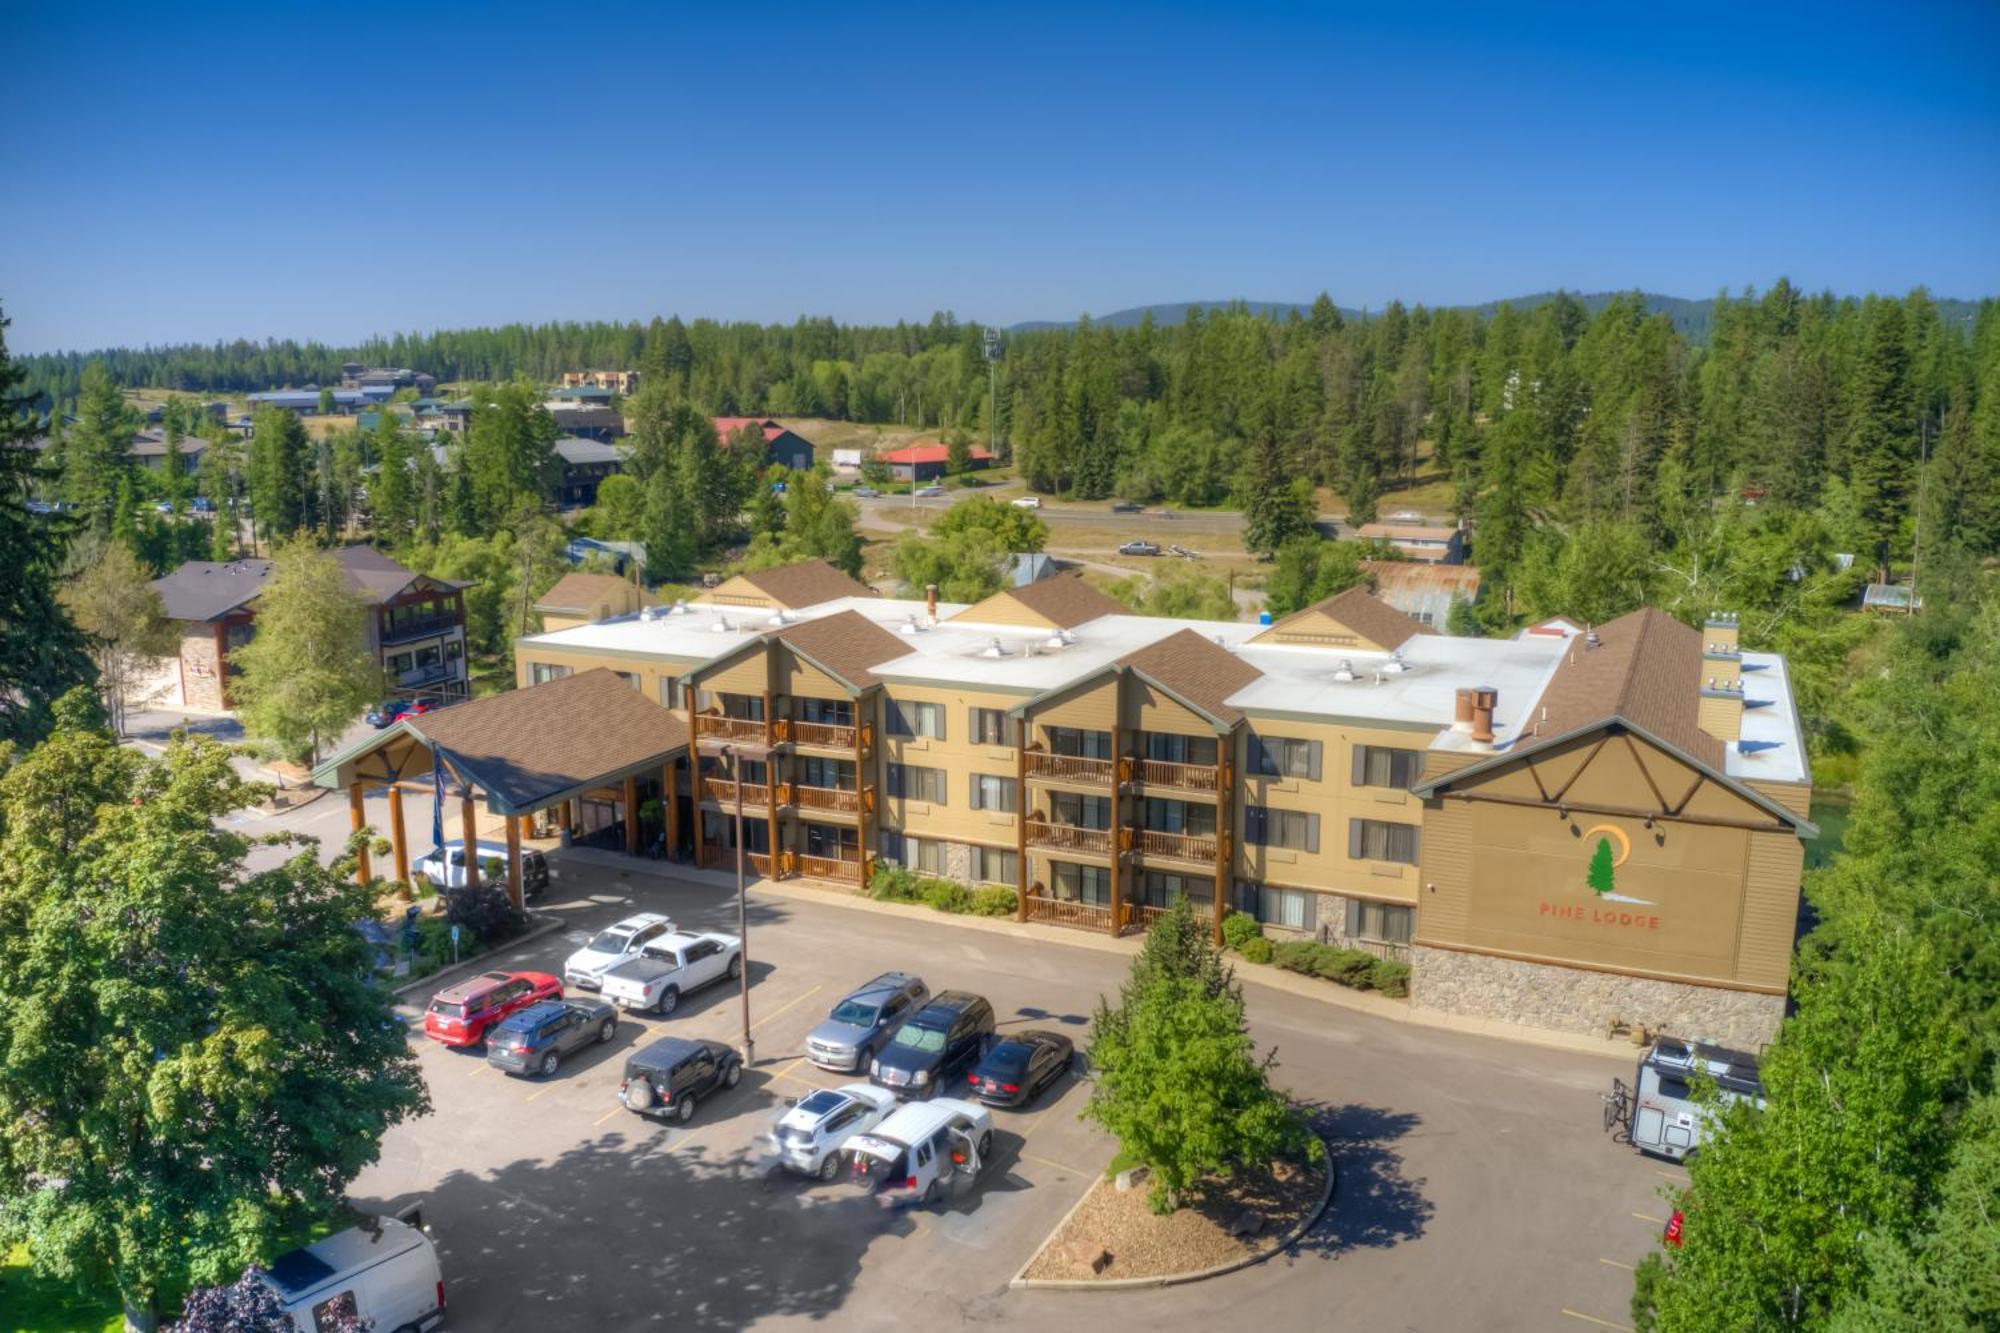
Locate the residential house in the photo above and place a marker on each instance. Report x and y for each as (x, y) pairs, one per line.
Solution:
(588, 420)
(925, 462)
(782, 446)
(208, 602)
(585, 599)
(1426, 542)
(585, 463)
(618, 381)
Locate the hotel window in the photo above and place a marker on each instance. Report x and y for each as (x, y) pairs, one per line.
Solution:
(1288, 909)
(991, 865)
(917, 784)
(827, 712)
(1079, 811)
(1162, 815)
(837, 774)
(915, 719)
(1294, 830)
(631, 678)
(1386, 923)
(1080, 744)
(1081, 884)
(1167, 748)
(992, 793)
(1157, 889)
(1379, 840)
(1379, 766)
(924, 855)
(989, 727)
(1282, 757)
(541, 673)
(671, 694)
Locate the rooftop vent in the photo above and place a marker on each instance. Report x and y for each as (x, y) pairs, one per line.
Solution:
(720, 626)
(1055, 642)
(1590, 640)
(679, 608)
(993, 648)
(909, 626)
(647, 613)
(1395, 666)
(1345, 671)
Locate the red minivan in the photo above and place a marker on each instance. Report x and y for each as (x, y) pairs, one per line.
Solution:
(460, 1015)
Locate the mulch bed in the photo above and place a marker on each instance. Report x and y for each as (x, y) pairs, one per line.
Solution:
(1193, 1237)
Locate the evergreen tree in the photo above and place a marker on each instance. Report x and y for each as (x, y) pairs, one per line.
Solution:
(1881, 446)
(97, 450)
(391, 489)
(277, 470)
(1277, 504)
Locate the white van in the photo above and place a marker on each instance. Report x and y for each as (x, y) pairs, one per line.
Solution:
(391, 1277)
(923, 1148)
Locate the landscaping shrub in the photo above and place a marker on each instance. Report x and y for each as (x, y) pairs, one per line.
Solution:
(1239, 928)
(433, 946)
(946, 896)
(1346, 967)
(994, 900)
(1297, 956)
(894, 884)
(1391, 977)
(485, 911)
(1256, 949)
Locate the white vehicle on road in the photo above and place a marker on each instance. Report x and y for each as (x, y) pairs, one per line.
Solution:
(810, 1134)
(390, 1277)
(611, 946)
(1028, 502)
(670, 967)
(921, 1152)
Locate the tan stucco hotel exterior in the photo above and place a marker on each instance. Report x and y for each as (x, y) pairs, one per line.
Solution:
(1564, 829)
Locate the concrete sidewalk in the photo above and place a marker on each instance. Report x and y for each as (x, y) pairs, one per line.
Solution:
(1255, 974)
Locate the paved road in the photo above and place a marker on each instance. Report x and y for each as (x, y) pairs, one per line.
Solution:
(1478, 1190)
(1160, 525)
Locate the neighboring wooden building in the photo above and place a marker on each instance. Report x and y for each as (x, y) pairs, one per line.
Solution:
(209, 603)
(585, 464)
(1419, 541)
(584, 599)
(782, 446)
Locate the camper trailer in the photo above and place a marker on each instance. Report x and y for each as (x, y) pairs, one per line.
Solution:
(1659, 1114)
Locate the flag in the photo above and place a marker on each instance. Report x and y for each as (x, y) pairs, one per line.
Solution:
(437, 799)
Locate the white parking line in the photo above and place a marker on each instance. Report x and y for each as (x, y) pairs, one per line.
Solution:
(1613, 1263)
(781, 1008)
(1601, 1323)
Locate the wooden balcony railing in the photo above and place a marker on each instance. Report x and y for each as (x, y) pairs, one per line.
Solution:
(1182, 777)
(731, 728)
(825, 735)
(1068, 838)
(1066, 912)
(760, 862)
(1176, 846)
(723, 792)
(826, 798)
(1141, 916)
(831, 867)
(1070, 768)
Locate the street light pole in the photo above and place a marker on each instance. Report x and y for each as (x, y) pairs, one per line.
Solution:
(742, 911)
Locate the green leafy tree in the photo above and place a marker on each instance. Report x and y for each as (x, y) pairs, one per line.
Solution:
(1014, 530)
(965, 567)
(1277, 503)
(1178, 1080)
(1180, 590)
(113, 603)
(510, 453)
(1311, 569)
(620, 509)
(326, 403)
(1881, 445)
(280, 458)
(198, 1060)
(97, 450)
(392, 498)
(818, 525)
(308, 672)
(42, 653)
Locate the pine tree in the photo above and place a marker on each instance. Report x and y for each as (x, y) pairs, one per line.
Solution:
(1278, 506)
(97, 451)
(277, 467)
(1881, 446)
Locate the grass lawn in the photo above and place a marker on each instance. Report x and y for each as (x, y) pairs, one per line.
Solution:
(29, 1304)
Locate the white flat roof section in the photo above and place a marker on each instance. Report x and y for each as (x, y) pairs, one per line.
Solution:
(1304, 680)
(1772, 748)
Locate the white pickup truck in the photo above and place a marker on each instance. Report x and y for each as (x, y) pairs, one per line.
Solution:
(671, 967)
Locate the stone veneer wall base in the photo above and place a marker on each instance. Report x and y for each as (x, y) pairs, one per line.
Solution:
(1573, 1000)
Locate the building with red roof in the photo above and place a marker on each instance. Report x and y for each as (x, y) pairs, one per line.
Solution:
(781, 444)
(922, 462)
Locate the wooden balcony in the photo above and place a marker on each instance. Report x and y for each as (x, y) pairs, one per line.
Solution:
(715, 726)
(723, 792)
(1194, 847)
(1065, 912)
(821, 735)
(1179, 777)
(1068, 838)
(839, 868)
(1140, 916)
(831, 800)
(760, 863)
(1070, 768)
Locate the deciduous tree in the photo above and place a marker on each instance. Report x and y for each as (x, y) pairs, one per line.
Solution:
(308, 672)
(113, 603)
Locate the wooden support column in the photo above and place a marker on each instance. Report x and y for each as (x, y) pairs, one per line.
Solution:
(671, 797)
(863, 789)
(358, 812)
(1118, 825)
(1225, 823)
(632, 816)
(399, 841)
(771, 774)
(694, 776)
(1021, 807)
(514, 863)
(469, 829)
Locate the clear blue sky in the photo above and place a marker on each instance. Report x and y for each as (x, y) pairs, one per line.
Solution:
(195, 171)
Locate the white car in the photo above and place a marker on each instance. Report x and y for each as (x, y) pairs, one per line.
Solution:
(921, 1152)
(611, 946)
(1028, 502)
(809, 1136)
(672, 966)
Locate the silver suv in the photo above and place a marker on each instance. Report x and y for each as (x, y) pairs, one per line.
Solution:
(862, 1024)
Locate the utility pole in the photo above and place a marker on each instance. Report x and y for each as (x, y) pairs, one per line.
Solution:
(993, 393)
(742, 903)
(1923, 477)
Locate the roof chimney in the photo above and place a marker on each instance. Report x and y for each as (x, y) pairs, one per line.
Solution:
(930, 601)
(1484, 700)
(1461, 717)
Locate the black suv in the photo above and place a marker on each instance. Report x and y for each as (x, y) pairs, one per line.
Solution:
(668, 1077)
(943, 1038)
(537, 1038)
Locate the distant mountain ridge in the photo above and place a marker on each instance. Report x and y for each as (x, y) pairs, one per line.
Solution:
(1690, 317)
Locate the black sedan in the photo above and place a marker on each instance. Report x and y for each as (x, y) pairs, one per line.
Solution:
(534, 1040)
(1018, 1067)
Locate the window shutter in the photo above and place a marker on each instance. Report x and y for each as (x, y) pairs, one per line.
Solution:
(1313, 749)
(1312, 824)
(1310, 916)
(1354, 839)
(1360, 774)
(1353, 918)
(1267, 758)
(1253, 825)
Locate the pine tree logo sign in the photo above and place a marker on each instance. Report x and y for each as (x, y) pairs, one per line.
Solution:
(1610, 848)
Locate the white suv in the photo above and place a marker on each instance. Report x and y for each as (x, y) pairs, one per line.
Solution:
(808, 1137)
(611, 946)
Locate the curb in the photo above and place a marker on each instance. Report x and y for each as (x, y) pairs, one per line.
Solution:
(1021, 1282)
(547, 925)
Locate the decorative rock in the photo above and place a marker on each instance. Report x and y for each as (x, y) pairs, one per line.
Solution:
(1089, 1257)
(1248, 1223)
(1130, 1176)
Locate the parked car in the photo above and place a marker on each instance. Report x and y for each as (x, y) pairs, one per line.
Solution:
(919, 1152)
(670, 967)
(163, 506)
(386, 1273)
(1138, 548)
(611, 946)
(534, 1040)
(1017, 1068)
(935, 1045)
(1124, 507)
(865, 492)
(444, 866)
(1028, 502)
(463, 1014)
(201, 504)
(670, 1076)
(391, 711)
(809, 1135)
(930, 490)
(858, 1026)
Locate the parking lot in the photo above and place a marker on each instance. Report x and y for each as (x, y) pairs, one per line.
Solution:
(1474, 1173)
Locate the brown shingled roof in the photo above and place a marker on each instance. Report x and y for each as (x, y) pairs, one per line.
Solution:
(807, 583)
(1197, 669)
(580, 592)
(848, 645)
(1646, 669)
(1066, 601)
(1370, 617)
